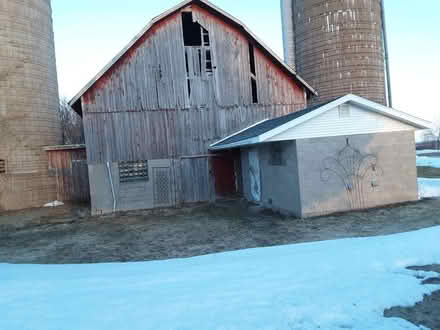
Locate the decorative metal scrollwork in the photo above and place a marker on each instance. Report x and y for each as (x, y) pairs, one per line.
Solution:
(359, 173)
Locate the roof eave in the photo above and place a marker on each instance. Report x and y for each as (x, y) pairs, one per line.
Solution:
(240, 144)
(404, 117)
(415, 122)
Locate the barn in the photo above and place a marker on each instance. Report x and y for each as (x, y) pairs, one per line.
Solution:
(346, 154)
(193, 76)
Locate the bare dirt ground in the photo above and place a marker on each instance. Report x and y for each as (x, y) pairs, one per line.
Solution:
(71, 235)
(428, 172)
(427, 312)
(432, 154)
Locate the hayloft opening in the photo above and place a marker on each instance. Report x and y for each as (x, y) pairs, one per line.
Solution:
(198, 52)
(192, 35)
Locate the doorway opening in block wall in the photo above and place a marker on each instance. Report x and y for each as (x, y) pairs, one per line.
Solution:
(226, 168)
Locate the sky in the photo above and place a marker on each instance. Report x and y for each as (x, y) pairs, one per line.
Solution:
(88, 34)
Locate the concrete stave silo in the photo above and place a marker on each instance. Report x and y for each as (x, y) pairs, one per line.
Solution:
(338, 46)
(28, 103)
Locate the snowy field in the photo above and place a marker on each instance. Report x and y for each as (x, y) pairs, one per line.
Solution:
(427, 151)
(429, 188)
(423, 161)
(426, 161)
(342, 284)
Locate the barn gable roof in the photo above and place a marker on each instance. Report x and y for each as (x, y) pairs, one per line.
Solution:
(204, 4)
(266, 130)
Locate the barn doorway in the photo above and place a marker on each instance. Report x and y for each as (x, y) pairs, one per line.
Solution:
(226, 169)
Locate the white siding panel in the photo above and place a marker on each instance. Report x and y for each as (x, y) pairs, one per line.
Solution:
(332, 123)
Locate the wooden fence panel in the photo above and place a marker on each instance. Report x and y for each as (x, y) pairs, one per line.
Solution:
(68, 165)
(197, 181)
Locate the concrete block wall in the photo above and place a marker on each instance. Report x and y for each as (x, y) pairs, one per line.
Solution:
(136, 195)
(280, 183)
(394, 182)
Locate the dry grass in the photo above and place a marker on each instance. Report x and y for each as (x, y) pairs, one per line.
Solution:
(73, 236)
(428, 172)
(425, 312)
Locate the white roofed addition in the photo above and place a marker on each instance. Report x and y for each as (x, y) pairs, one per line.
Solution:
(348, 115)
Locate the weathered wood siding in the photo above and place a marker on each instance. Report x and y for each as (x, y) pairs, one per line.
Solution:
(141, 108)
(194, 170)
(69, 167)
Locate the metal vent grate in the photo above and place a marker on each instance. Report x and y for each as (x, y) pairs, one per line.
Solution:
(162, 186)
(2, 166)
(133, 171)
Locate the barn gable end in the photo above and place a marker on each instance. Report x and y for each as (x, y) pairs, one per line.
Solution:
(191, 78)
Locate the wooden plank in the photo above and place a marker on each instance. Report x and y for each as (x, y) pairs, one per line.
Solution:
(80, 181)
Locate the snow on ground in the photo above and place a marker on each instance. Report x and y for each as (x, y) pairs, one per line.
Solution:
(342, 284)
(427, 151)
(428, 161)
(54, 204)
(429, 188)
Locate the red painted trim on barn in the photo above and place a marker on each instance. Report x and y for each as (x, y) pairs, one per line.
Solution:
(89, 96)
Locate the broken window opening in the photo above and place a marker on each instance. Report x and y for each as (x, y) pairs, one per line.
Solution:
(252, 59)
(254, 90)
(192, 35)
(198, 54)
(195, 35)
(208, 61)
(205, 37)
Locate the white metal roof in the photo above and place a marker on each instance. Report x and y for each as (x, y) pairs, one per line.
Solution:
(266, 130)
(168, 13)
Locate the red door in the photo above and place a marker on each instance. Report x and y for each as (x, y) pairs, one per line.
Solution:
(224, 172)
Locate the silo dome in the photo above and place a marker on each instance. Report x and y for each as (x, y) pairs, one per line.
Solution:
(337, 46)
(28, 103)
